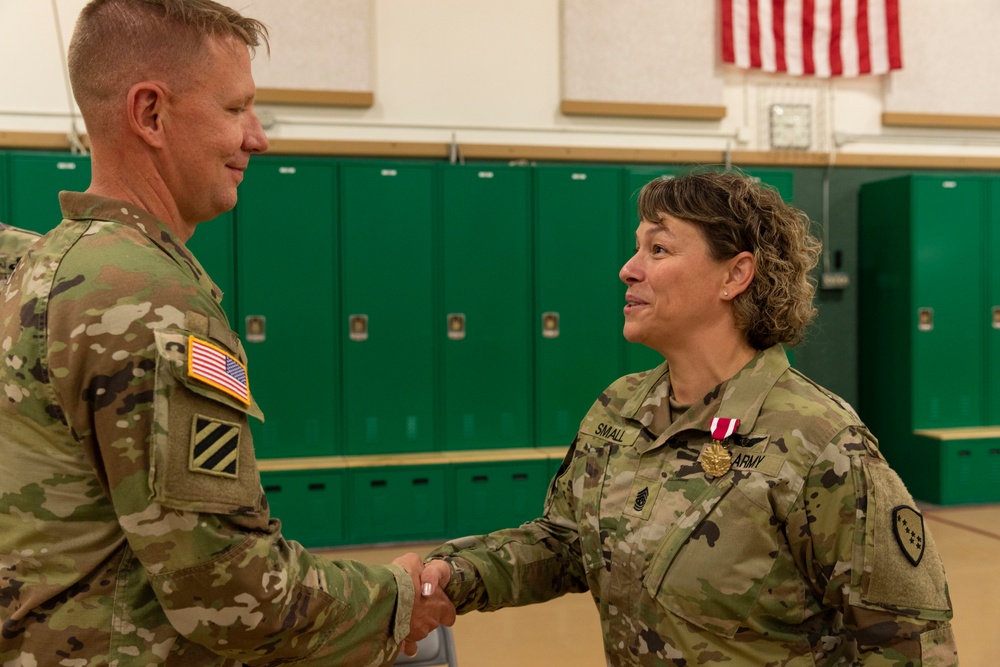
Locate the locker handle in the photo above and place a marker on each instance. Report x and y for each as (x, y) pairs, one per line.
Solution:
(319, 486)
(964, 452)
(519, 476)
(550, 325)
(357, 326)
(456, 326)
(272, 488)
(420, 481)
(996, 317)
(995, 451)
(925, 319)
(66, 165)
(480, 478)
(379, 482)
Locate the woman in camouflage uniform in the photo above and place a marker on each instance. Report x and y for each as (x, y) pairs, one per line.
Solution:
(722, 507)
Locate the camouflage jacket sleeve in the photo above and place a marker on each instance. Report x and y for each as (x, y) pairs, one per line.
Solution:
(538, 561)
(174, 452)
(858, 537)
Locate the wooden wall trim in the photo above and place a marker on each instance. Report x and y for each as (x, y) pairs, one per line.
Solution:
(439, 150)
(953, 121)
(329, 98)
(632, 110)
(57, 141)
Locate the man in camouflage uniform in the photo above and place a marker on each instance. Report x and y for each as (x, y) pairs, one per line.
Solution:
(14, 243)
(722, 508)
(133, 526)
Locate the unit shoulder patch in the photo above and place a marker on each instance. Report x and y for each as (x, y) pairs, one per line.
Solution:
(215, 447)
(908, 527)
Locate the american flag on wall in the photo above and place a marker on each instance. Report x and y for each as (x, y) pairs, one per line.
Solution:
(822, 38)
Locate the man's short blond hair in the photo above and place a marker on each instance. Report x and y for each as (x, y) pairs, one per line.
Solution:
(117, 43)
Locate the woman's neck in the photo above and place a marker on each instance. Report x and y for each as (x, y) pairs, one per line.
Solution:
(696, 371)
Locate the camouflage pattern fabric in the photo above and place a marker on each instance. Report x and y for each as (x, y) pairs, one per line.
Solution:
(788, 558)
(14, 243)
(133, 526)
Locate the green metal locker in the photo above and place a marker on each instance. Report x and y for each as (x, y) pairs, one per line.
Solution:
(947, 287)
(393, 504)
(991, 307)
(35, 182)
(214, 245)
(286, 232)
(578, 296)
(926, 375)
(485, 325)
(4, 189)
(491, 496)
(387, 224)
(309, 503)
(782, 181)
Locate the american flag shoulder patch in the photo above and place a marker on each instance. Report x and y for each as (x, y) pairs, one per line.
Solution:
(215, 447)
(217, 368)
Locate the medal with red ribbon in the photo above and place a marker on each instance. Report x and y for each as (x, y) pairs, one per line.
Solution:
(715, 458)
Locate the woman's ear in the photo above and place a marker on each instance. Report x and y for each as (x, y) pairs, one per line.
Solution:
(741, 272)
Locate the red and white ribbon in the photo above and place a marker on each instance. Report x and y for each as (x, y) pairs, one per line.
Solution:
(722, 428)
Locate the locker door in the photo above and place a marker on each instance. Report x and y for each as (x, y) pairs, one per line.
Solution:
(214, 245)
(287, 300)
(782, 181)
(4, 190)
(387, 213)
(638, 357)
(485, 329)
(35, 182)
(947, 302)
(991, 309)
(578, 296)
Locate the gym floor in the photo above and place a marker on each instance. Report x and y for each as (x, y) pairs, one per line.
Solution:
(566, 632)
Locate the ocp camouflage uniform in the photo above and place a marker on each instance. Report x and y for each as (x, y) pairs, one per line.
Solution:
(789, 558)
(14, 243)
(133, 526)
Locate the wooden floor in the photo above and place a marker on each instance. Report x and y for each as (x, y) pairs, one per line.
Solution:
(566, 632)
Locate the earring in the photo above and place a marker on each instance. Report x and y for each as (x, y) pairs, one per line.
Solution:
(725, 294)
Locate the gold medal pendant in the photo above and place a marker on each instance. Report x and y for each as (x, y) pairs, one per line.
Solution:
(715, 459)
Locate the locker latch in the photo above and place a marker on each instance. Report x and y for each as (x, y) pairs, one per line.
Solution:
(256, 328)
(996, 317)
(925, 319)
(358, 325)
(550, 325)
(456, 326)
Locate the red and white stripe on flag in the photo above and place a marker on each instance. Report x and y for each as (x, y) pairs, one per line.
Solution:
(822, 38)
(218, 368)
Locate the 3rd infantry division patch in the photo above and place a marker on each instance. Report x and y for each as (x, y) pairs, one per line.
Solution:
(215, 447)
(908, 526)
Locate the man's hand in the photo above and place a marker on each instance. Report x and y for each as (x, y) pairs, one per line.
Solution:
(431, 607)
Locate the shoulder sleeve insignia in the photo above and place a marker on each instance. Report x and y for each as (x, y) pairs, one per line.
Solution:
(908, 527)
(216, 367)
(215, 447)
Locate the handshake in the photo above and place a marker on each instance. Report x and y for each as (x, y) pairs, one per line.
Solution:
(431, 607)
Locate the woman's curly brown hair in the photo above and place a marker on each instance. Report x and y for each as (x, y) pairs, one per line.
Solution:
(735, 213)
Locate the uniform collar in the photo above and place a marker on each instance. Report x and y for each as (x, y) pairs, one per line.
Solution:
(84, 206)
(739, 397)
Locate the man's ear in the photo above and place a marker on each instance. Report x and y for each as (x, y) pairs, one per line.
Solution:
(146, 102)
(741, 272)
